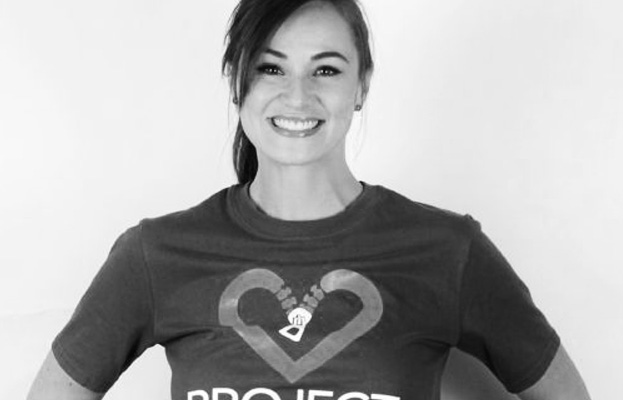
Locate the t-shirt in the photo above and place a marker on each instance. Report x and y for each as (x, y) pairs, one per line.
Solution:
(365, 304)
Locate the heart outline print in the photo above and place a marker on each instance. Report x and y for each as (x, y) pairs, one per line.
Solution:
(328, 347)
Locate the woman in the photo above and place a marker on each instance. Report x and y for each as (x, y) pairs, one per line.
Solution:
(302, 282)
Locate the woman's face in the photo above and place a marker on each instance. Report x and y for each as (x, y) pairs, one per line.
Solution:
(304, 90)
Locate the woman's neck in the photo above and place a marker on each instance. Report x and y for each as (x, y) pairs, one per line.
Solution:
(300, 193)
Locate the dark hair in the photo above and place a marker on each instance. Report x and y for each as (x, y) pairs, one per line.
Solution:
(252, 24)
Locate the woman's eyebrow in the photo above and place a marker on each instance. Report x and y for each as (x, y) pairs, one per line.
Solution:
(315, 57)
(275, 53)
(330, 54)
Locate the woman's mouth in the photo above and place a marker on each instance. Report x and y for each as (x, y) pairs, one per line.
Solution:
(296, 127)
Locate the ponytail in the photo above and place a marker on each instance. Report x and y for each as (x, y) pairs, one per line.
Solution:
(245, 156)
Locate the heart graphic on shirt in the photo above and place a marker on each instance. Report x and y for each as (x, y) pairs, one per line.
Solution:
(327, 348)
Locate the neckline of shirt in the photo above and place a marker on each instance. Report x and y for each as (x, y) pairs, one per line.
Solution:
(248, 214)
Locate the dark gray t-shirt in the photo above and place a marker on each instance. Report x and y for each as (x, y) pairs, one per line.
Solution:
(365, 304)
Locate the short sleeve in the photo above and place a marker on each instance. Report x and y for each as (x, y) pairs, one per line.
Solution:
(499, 322)
(113, 323)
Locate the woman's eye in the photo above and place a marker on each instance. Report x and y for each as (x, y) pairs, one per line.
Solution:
(327, 71)
(269, 69)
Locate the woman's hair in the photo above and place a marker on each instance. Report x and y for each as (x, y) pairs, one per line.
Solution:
(252, 25)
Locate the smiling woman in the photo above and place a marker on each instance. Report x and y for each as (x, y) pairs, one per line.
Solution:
(305, 87)
(344, 42)
(300, 281)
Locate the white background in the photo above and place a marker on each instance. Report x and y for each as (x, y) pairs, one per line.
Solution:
(511, 111)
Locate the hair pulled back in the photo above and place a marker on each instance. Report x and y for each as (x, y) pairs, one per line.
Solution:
(252, 25)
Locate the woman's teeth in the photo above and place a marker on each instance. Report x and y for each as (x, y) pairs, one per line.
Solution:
(296, 125)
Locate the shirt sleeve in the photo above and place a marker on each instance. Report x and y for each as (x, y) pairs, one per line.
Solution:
(113, 322)
(499, 322)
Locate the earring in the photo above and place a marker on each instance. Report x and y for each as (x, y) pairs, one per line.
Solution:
(358, 107)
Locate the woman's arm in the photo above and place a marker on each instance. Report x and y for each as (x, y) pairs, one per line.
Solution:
(561, 381)
(53, 383)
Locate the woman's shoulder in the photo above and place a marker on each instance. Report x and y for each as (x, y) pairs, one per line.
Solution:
(400, 207)
(209, 212)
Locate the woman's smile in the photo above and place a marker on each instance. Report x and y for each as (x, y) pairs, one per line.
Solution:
(296, 127)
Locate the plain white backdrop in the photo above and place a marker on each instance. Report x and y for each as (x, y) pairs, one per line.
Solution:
(511, 111)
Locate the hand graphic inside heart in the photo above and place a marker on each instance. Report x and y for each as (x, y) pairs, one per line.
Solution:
(328, 347)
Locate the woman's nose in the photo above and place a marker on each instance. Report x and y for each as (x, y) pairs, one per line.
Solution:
(298, 92)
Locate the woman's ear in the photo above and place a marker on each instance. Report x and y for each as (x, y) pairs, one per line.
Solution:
(362, 92)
